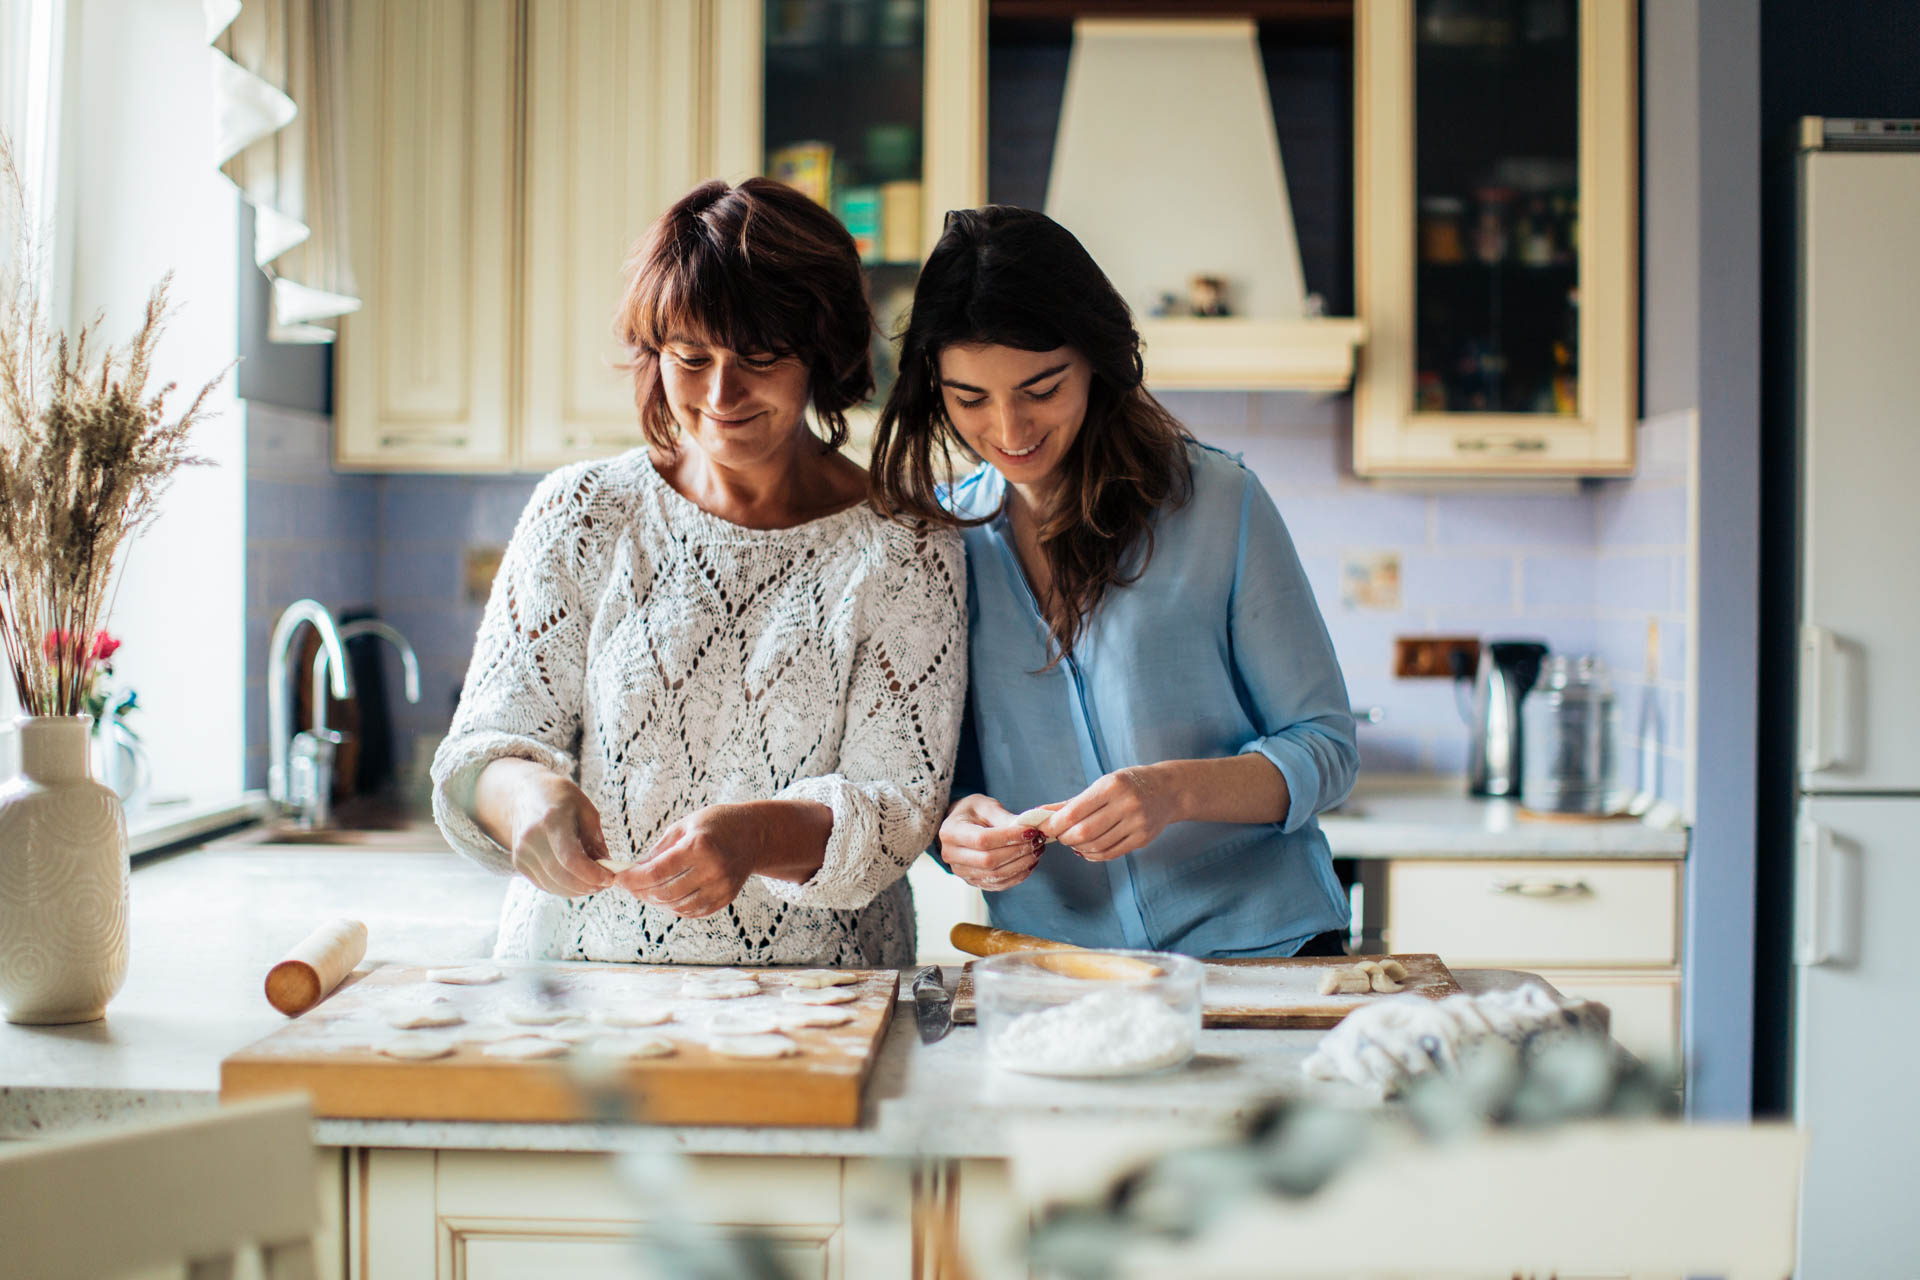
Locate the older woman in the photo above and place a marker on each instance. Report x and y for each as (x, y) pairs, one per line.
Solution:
(712, 709)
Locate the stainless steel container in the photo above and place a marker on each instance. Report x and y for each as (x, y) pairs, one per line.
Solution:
(1576, 748)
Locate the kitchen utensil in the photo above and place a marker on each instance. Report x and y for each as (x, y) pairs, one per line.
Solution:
(1505, 672)
(1652, 730)
(1574, 744)
(1039, 1021)
(979, 940)
(1274, 993)
(332, 1054)
(932, 1004)
(316, 966)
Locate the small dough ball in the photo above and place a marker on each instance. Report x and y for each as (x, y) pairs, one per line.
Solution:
(744, 1022)
(416, 1048)
(823, 1016)
(633, 1047)
(763, 1046)
(472, 975)
(536, 1015)
(820, 995)
(634, 1015)
(822, 978)
(527, 1048)
(1035, 817)
(707, 989)
(434, 1013)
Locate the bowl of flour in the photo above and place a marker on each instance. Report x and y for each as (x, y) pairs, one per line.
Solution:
(1039, 1021)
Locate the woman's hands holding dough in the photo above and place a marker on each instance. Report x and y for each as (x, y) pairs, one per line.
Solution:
(1121, 812)
(546, 823)
(700, 863)
(987, 846)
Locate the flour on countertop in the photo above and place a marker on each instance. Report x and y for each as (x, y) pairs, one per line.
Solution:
(1109, 1031)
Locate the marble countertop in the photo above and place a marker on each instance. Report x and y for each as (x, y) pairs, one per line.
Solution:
(1438, 819)
(208, 923)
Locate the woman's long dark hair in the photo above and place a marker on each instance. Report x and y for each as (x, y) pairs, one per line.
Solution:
(1015, 278)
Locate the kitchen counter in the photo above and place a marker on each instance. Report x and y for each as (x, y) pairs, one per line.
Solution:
(1438, 819)
(208, 923)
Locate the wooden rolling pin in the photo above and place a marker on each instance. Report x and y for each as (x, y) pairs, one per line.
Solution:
(316, 966)
(979, 940)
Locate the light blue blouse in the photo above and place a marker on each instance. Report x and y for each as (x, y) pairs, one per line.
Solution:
(1217, 649)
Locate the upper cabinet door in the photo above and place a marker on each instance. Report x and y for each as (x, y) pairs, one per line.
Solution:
(613, 137)
(424, 369)
(1496, 264)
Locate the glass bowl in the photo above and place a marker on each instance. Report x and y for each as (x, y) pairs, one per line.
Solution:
(1088, 1013)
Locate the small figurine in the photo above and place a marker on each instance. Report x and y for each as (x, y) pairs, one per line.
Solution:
(1209, 296)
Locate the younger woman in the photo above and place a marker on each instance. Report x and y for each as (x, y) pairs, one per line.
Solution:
(1147, 660)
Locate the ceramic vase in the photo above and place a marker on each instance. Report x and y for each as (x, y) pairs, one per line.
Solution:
(63, 879)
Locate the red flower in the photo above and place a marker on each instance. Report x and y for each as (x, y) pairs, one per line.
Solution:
(103, 646)
(56, 641)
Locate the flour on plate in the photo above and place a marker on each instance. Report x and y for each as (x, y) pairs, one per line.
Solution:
(1107, 1033)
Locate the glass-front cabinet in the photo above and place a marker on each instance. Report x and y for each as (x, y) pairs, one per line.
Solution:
(1496, 246)
(876, 109)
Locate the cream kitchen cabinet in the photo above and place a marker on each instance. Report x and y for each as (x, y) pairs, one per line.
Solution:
(1496, 237)
(1607, 930)
(512, 1215)
(504, 157)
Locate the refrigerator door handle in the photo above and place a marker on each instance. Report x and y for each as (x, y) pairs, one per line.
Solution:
(1818, 651)
(1826, 917)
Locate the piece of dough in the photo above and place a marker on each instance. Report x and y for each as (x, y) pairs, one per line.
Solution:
(824, 1016)
(1345, 980)
(1377, 978)
(744, 1022)
(527, 1048)
(819, 995)
(633, 1047)
(822, 978)
(1393, 969)
(634, 1015)
(472, 975)
(491, 1034)
(1035, 817)
(707, 989)
(766, 1046)
(573, 1032)
(536, 1015)
(415, 1048)
(435, 1013)
(718, 975)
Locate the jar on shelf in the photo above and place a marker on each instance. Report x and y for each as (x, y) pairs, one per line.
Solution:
(1490, 227)
(1441, 241)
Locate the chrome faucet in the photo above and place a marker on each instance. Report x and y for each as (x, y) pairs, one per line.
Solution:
(301, 612)
(311, 777)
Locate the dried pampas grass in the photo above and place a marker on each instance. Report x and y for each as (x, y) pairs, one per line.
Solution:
(85, 454)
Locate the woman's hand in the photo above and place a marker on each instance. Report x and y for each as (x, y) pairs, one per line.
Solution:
(546, 823)
(700, 863)
(983, 844)
(1121, 812)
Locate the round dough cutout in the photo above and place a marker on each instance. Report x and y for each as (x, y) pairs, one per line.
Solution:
(472, 975)
(437, 1013)
(527, 1048)
(707, 989)
(820, 995)
(634, 1015)
(535, 1015)
(415, 1048)
(823, 1016)
(815, 978)
(744, 1022)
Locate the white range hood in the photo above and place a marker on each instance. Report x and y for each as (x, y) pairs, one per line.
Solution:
(1167, 167)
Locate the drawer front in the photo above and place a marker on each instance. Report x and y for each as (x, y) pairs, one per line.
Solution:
(1646, 1010)
(1536, 913)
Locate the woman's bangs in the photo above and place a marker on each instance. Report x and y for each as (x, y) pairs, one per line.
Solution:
(710, 300)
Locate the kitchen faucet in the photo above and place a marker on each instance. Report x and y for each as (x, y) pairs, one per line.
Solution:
(301, 612)
(313, 750)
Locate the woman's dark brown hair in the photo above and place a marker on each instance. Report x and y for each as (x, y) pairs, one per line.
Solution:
(754, 268)
(1015, 278)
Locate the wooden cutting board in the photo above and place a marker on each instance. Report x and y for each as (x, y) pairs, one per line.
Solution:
(330, 1052)
(1276, 994)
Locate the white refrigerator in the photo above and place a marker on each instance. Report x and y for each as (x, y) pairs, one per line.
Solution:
(1857, 859)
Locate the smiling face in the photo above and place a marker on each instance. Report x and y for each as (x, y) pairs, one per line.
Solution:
(739, 408)
(1020, 410)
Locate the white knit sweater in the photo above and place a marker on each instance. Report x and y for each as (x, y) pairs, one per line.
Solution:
(666, 660)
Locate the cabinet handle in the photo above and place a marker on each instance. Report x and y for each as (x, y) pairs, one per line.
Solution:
(1544, 888)
(426, 436)
(1499, 444)
(1818, 653)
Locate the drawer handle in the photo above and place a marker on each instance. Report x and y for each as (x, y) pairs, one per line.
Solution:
(427, 438)
(1544, 888)
(1499, 444)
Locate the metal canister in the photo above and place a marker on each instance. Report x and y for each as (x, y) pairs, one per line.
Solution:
(1574, 743)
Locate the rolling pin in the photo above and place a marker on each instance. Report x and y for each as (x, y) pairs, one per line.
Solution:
(316, 966)
(979, 940)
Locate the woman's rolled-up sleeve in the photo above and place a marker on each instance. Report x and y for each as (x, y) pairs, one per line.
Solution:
(905, 694)
(1285, 662)
(522, 695)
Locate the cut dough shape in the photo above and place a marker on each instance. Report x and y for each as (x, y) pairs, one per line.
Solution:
(822, 978)
(767, 1046)
(744, 1022)
(435, 1013)
(820, 995)
(820, 1017)
(1394, 969)
(1035, 817)
(491, 1034)
(634, 1047)
(1345, 980)
(634, 1015)
(415, 1048)
(527, 1048)
(1377, 978)
(536, 1015)
(573, 1032)
(707, 989)
(472, 975)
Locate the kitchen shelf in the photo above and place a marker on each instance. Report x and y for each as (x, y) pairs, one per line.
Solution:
(1186, 353)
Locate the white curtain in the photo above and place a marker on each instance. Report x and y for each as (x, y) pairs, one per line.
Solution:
(280, 101)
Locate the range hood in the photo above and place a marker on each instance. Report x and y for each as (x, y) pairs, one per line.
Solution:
(1167, 167)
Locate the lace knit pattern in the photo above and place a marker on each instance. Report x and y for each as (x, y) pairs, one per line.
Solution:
(667, 660)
